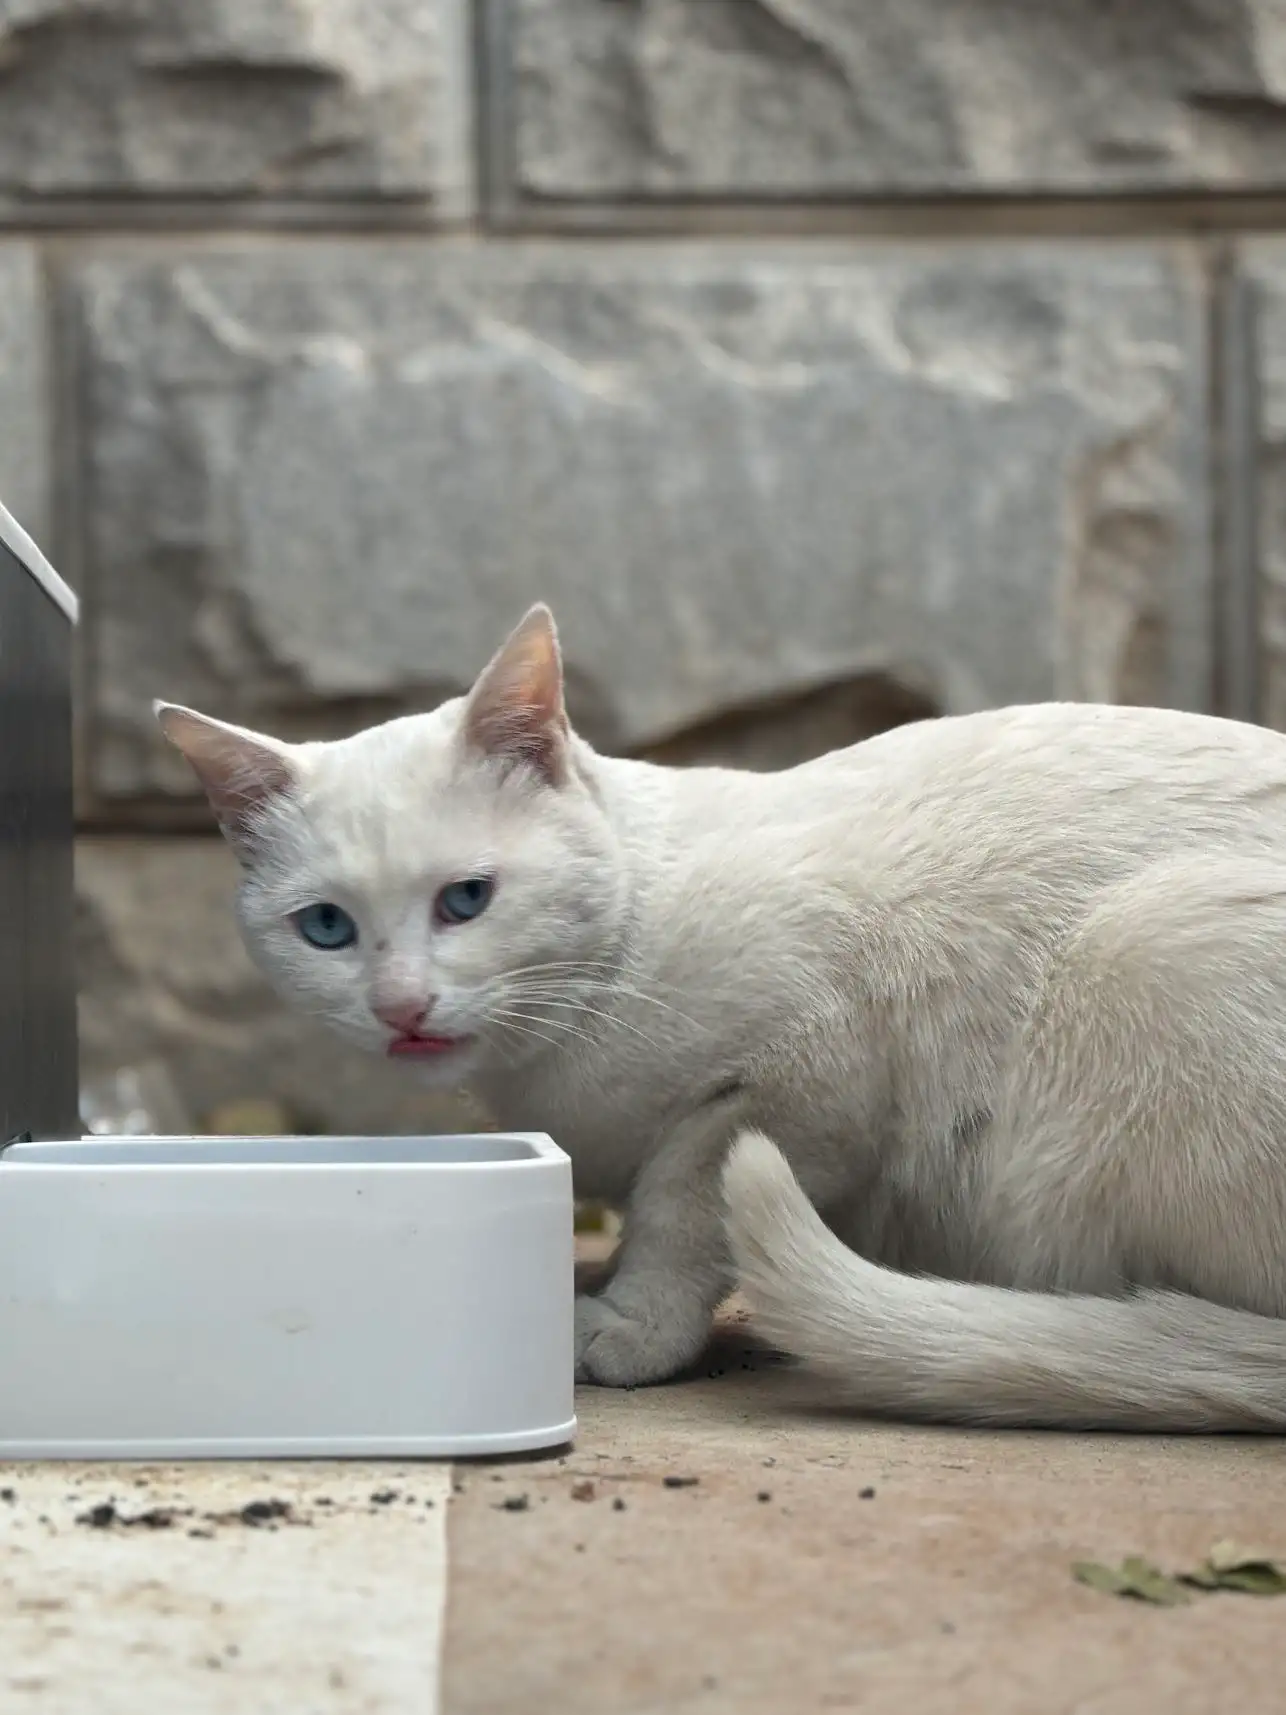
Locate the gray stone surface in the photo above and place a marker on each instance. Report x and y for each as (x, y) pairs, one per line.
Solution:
(322, 481)
(749, 98)
(1263, 268)
(164, 981)
(24, 418)
(219, 96)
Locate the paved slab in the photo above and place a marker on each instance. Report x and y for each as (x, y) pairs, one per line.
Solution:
(221, 1589)
(819, 1563)
(725, 1544)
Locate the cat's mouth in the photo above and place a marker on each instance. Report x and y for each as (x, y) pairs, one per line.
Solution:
(425, 1047)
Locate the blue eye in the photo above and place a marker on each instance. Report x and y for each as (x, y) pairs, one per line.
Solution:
(326, 926)
(462, 901)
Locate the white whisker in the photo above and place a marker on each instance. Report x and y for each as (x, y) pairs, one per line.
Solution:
(607, 1020)
(523, 1028)
(515, 1016)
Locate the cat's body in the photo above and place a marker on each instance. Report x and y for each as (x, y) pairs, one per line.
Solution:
(1008, 993)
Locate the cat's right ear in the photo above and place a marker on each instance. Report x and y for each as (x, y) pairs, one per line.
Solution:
(241, 772)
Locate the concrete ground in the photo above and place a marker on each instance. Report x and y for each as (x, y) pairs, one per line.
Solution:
(819, 1563)
(719, 1545)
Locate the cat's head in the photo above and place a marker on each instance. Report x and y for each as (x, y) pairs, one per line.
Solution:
(430, 886)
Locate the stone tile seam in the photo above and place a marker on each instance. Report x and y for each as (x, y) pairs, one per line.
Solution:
(494, 215)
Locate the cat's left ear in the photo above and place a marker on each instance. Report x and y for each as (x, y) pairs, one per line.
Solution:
(515, 710)
(240, 771)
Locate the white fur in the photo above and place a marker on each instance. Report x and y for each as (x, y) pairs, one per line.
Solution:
(1007, 992)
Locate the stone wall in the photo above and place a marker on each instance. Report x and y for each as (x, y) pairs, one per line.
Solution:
(826, 363)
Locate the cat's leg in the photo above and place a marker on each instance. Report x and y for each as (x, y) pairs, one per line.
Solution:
(653, 1318)
(1140, 1139)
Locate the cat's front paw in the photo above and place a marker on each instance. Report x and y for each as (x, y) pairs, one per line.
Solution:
(614, 1349)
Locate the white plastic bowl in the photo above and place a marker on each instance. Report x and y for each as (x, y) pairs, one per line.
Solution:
(169, 1298)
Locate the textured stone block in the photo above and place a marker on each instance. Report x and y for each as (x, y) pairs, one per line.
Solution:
(763, 98)
(238, 97)
(164, 979)
(24, 420)
(322, 481)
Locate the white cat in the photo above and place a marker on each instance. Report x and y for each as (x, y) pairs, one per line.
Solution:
(1006, 991)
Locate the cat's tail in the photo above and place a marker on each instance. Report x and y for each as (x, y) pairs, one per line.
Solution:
(947, 1351)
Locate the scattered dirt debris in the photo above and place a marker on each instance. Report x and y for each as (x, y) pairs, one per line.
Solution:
(265, 1512)
(679, 1482)
(107, 1513)
(866, 1494)
(9, 1495)
(618, 1505)
(584, 1490)
(101, 1517)
(1228, 1566)
(764, 1495)
(514, 1504)
(269, 1513)
(255, 1514)
(155, 1518)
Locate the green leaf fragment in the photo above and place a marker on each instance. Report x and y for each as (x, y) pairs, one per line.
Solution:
(1231, 1567)
(1255, 1580)
(1098, 1577)
(1233, 1557)
(1135, 1578)
(1227, 1567)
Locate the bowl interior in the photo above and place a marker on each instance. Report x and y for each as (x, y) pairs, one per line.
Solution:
(481, 1149)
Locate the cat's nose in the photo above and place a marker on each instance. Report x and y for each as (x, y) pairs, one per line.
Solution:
(404, 1015)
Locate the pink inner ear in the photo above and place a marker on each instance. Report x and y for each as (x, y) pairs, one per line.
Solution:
(519, 731)
(249, 783)
(515, 711)
(239, 791)
(238, 772)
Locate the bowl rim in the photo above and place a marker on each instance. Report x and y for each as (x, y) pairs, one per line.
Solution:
(287, 1153)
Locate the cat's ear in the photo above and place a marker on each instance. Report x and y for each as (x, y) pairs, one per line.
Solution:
(241, 772)
(515, 710)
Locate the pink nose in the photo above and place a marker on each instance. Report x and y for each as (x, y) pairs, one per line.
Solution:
(404, 1015)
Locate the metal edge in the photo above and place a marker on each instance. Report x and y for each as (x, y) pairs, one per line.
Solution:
(16, 539)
